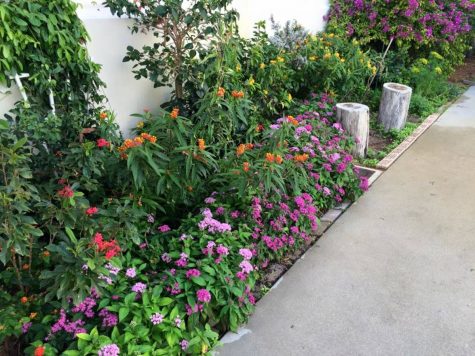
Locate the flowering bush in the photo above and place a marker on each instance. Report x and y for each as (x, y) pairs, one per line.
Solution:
(322, 62)
(114, 278)
(422, 26)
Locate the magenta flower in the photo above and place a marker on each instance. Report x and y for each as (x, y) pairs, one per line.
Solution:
(222, 250)
(164, 228)
(203, 295)
(193, 273)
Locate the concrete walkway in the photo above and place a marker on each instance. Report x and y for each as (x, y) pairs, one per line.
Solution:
(395, 275)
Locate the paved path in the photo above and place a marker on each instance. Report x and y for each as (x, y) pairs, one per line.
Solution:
(395, 275)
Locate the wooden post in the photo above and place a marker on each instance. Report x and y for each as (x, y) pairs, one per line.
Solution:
(354, 118)
(394, 106)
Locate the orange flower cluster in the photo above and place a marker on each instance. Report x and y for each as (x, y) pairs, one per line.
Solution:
(243, 148)
(175, 112)
(246, 166)
(271, 158)
(237, 94)
(201, 144)
(103, 115)
(301, 158)
(135, 142)
(292, 120)
(221, 92)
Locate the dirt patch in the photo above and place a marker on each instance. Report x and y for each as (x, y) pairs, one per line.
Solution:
(465, 72)
(377, 142)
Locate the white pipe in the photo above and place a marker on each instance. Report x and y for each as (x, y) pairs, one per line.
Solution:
(18, 82)
(51, 99)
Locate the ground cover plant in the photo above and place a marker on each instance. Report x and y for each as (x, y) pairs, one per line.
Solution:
(153, 244)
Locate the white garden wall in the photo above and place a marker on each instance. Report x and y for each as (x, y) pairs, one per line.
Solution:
(110, 36)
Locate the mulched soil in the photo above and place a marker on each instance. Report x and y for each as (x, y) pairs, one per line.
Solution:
(377, 142)
(465, 72)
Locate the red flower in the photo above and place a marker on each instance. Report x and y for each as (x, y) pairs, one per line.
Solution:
(102, 142)
(111, 248)
(92, 210)
(66, 192)
(39, 351)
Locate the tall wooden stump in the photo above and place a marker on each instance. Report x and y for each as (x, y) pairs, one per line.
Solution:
(354, 118)
(394, 106)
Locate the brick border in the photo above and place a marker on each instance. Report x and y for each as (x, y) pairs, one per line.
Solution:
(387, 161)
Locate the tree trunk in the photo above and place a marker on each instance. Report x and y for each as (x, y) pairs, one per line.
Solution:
(354, 118)
(394, 106)
(179, 89)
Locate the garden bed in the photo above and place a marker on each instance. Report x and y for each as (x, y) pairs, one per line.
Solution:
(271, 275)
(154, 244)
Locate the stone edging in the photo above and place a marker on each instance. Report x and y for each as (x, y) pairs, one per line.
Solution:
(387, 161)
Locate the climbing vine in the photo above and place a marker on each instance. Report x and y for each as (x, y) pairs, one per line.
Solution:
(44, 43)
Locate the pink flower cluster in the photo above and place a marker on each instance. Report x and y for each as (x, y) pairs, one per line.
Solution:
(203, 295)
(212, 225)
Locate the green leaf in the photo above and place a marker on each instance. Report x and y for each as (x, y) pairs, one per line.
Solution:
(123, 312)
(84, 336)
(236, 291)
(199, 281)
(165, 301)
(70, 234)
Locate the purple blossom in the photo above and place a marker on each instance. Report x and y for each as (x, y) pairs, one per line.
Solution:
(131, 273)
(210, 200)
(245, 253)
(183, 261)
(71, 327)
(109, 350)
(139, 287)
(166, 258)
(109, 319)
(212, 225)
(112, 269)
(25, 327)
(246, 267)
(86, 307)
(184, 344)
(156, 318)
